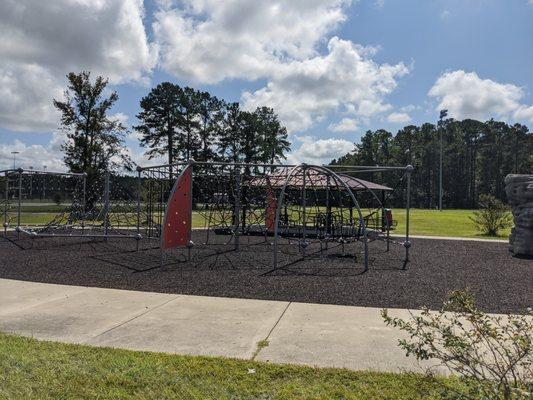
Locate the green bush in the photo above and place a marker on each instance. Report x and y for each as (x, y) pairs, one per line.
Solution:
(492, 354)
(492, 216)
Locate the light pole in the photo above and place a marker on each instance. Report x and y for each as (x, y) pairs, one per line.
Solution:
(443, 114)
(15, 158)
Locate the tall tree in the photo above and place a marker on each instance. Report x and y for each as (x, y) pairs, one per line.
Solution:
(273, 136)
(229, 131)
(161, 121)
(210, 113)
(95, 141)
(190, 109)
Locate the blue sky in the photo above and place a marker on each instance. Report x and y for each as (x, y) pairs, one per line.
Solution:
(332, 69)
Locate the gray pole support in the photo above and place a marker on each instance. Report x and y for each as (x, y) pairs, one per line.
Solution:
(407, 244)
(328, 210)
(20, 170)
(303, 244)
(6, 202)
(440, 172)
(84, 203)
(237, 210)
(138, 231)
(106, 205)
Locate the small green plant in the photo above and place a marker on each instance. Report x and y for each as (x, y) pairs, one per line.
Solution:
(492, 216)
(492, 354)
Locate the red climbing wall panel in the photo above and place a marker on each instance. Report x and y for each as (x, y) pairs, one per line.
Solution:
(270, 217)
(178, 215)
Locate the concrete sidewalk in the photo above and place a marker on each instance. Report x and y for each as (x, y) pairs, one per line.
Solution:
(311, 334)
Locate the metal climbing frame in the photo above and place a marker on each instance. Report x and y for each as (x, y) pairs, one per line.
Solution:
(288, 206)
(247, 199)
(80, 211)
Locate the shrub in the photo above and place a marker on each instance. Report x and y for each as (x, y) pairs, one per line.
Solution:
(492, 216)
(492, 354)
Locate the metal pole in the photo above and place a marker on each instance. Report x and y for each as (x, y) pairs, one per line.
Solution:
(138, 237)
(329, 218)
(19, 202)
(84, 203)
(6, 202)
(106, 205)
(237, 210)
(442, 115)
(303, 244)
(407, 244)
(440, 172)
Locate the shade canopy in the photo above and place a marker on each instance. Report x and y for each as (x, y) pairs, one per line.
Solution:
(314, 179)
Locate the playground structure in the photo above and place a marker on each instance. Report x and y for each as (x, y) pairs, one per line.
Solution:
(100, 210)
(280, 214)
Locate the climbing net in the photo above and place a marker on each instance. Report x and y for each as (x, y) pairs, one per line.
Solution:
(48, 203)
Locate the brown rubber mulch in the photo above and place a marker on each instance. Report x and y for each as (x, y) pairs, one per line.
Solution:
(500, 282)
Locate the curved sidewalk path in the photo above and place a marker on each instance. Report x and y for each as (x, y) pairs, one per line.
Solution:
(299, 333)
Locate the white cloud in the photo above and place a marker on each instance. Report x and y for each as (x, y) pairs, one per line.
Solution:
(211, 40)
(524, 112)
(35, 155)
(409, 108)
(345, 125)
(120, 117)
(26, 94)
(466, 95)
(313, 151)
(303, 91)
(278, 40)
(42, 41)
(398, 117)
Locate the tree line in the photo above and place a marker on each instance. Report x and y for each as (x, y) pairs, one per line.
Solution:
(177, 123)
(184, 123)
(476, 158)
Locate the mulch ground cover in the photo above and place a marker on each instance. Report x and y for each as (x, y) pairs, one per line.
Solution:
(501, 283)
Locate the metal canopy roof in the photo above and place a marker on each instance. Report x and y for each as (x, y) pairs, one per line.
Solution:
(314, 179)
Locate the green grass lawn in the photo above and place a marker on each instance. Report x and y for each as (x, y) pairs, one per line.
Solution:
(454, 223)
(31, 369)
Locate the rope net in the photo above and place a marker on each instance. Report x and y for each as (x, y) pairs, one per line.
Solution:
(49, 203)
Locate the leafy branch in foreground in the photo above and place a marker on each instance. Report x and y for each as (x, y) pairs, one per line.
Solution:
(492, 353)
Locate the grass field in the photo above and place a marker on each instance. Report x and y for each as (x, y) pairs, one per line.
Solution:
(454, 223)
(47, 370)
